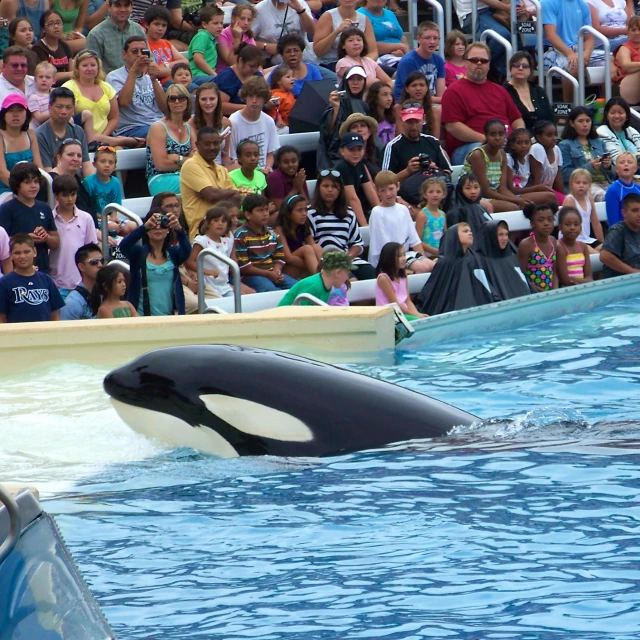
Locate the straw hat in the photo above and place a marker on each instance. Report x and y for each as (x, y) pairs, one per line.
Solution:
(359, 117)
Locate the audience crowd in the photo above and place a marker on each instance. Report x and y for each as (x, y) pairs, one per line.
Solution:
(422, 149)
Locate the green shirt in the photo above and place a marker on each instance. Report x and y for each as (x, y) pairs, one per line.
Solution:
(108, 42)
(313, 285)
(246, 186)
(203, 42)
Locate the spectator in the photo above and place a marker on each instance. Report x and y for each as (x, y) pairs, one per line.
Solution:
(140, 95)
(609, 17)
(381, 108)
(52, 47)
(352, 51)
(27, 294)
(208, 113)
(237, 33)
(89, 261)
(203, 182)
(170, 142)
(626, 62)
(616, 131)
(181, 74)
(529, 97)
(582, 149)
(389, 36)
(620, 252)
(251, 123)
(75, 228)
(455, 45)
(178, 28)
(102, 186)
(58, 128)
(366, 127)
(165, 54)
(290, 50)
(287, 179)
(108, 38)
(92, 93)
(73, 17)
(230, 80)
(21, 35)
(156, 287)
(332, 23)
(258, 249)
(25, 214)
(334, 225)
(19, 142)
(281, 83)
(39, 101)
(626, 167)
(108, 293)
(12, 9)
(473, 100)
(14, 78)
(203, 48)
(276, 20)
(546, 160)
(248, 178)
(562, 21)
(416, 89)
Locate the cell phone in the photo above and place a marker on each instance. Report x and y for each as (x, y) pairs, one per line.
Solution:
(225, 132)
(605, 156)
(342, 93)
(146, 52)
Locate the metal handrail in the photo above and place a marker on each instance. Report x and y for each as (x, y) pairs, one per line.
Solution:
(104, 222)
(557, 71)
(50, 199)
(309, 298)
(439, 19)
(581, 66)
(448, 17)
(490, 33)
(235, 272)
(15, 523)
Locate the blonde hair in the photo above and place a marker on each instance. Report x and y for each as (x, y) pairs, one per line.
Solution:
(627, 154)
(432, 182)
(579, 173)
(83, 55)
(45, 66)
(385, 178)
(182, 91)
(477, 45)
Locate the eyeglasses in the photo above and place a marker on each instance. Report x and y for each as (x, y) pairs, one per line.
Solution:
(478, 60)
(177, 98)
(18, 65)
(521, 65)
(330, 172)
(175, 205)
(57, 23)
(106, 148)
(94, 262)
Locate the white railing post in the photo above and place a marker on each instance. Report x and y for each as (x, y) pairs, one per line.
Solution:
(494, 35)
(581, 65)
(104, 223)
(439, 19)
(235, 274)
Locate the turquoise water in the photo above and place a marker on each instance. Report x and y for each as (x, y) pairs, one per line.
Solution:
(526, 527)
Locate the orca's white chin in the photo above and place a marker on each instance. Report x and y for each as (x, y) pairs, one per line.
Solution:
(173, 431)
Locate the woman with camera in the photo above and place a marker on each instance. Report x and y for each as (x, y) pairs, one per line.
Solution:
(156, 287)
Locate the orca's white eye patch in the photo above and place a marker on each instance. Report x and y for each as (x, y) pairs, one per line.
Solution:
(257, 419)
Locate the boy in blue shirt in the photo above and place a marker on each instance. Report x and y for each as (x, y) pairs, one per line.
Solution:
(626, 167)
(26, 294)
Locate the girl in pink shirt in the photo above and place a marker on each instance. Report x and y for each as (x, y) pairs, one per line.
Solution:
(454, 47)
(352, 51)
(234, 35)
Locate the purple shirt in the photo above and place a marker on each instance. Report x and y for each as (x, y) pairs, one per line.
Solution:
(78, 231)
(279, 186)
(226, 37)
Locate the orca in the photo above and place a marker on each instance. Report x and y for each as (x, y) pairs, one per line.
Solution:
(230, 401)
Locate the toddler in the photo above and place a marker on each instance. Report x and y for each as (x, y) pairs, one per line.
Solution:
(281, 83)
(45, 76)
(181, 74)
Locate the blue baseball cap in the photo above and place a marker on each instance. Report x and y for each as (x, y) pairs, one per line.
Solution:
(351, 140)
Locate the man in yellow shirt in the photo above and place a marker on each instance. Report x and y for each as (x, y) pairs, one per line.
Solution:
(203, 182)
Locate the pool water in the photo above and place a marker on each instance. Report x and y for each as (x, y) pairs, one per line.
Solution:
(524, 527)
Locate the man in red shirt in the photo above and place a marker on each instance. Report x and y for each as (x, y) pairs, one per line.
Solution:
(468, 103)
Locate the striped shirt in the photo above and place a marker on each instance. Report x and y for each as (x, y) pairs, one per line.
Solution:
(331, 232)
(258, 249)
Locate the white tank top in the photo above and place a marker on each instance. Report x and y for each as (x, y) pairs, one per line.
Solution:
(586, 222)
(614, 17)
(360, 22)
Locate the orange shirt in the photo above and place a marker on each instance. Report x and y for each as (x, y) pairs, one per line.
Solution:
(286, 104)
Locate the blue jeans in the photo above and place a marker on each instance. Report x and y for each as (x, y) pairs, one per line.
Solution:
(141, 131)
(461, 153)
(261, 284)
(498, 53)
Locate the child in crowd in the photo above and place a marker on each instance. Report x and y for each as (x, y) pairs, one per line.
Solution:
(572, 256)
(203, 48)
(21, 35)
(620, 253)
(301, 253)
(380, 103)
(258, 250)
(27, 294)
(468, 206)
(488, 163)
(281, 82)
(416, 90)
(251, 123)
(75, 228)
(247, 177)
(25, 214)
(455, 45)
(165, 55)
(236, 34)
(580, 198)
(181, 74)
(45, 76)
(626, 167)
(430, 222)
(537, 253)
(356, 177)
(288, 179)
(391, 222)
(214, 234)
(233, 211)
(391, 283)
(109, 291)
(546, 159)
(329, 286)
(352, 51)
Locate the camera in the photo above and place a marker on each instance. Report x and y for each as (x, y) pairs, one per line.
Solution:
(425, 161)
(164, 221)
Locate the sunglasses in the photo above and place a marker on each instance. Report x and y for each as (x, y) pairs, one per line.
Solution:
(521, 65)
(177, 98)
(94, 262)
(330, 172)
(86, 52)
(478, 60)
(18, 65)
(106, 148)
(71, 141)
